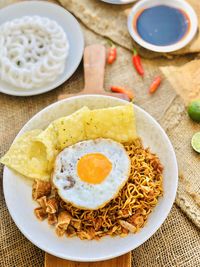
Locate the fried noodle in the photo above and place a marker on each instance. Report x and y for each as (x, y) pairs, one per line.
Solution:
(128, 212)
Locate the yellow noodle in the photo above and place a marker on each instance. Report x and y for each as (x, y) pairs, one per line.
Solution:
(133, 204)
(137, 198)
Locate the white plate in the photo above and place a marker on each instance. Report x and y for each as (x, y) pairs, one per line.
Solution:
(69, 24)
(118, 2)
(173, 3)
(18, 197)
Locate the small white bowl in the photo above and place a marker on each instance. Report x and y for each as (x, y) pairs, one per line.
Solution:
(18, 196)
(181, 4)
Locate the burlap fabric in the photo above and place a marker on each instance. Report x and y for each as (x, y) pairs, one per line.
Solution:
(112, 23)
(176, 243)
(185, 79)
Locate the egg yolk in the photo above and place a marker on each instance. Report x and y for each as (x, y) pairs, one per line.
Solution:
(93, 168)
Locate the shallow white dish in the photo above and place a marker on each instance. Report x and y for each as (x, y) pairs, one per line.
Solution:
(19, 201)
(69, 24)
(119, 2)
(143, 4)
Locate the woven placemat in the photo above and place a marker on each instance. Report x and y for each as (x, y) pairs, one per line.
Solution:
(176, 243)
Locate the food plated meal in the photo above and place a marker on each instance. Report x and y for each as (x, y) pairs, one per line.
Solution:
(90, 180)
(93, 176)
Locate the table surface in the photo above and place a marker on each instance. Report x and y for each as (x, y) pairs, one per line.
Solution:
(176, 243)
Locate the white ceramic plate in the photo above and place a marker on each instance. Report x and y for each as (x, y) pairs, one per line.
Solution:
(18, 197)
(119, 2)
(173, 3)
(69, 24)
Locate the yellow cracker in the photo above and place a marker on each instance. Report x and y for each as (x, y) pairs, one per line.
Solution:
(49, 138)
(117, 123)
(71, 129)
(27, 156)
(33, 153)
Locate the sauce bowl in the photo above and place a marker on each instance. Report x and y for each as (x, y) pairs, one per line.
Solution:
(181, 6)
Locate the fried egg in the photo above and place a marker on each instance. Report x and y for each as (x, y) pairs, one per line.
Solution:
(90, 173)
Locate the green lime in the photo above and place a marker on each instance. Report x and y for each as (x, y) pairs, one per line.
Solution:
(196, 142)
(194, 110)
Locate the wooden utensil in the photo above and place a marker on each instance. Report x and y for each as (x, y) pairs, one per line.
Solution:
(94, 68)
(122, 261)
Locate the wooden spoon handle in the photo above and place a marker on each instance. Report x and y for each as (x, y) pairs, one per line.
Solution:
(122, 261)
(94, 68)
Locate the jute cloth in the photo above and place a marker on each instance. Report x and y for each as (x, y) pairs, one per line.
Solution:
(176, 243)
(185, 79)
(111, 22)
(166, 107)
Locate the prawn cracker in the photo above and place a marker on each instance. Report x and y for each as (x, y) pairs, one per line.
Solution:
(70, 129)
(27, 156)
(117, 123)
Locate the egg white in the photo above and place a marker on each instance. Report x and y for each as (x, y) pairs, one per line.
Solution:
(82, 194)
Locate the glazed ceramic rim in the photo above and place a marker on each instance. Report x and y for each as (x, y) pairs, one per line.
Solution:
(182, 4)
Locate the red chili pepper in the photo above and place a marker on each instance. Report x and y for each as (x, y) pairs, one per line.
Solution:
(155, 84)
(112, 53)
(117, 89)
(137, 63)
